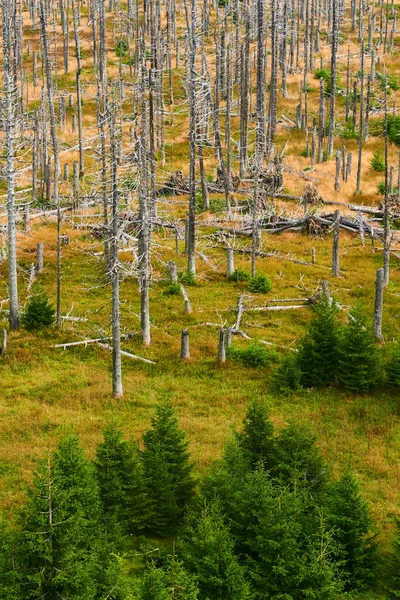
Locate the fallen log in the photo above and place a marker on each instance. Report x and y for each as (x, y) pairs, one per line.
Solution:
(128, 354)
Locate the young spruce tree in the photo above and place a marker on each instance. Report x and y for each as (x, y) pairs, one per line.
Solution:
(119, 478)
(359, 366)
(167, 473)
(352, 525)
(60, 526)
(393, 367)
(256, 440)
(208, 553)
(319, 348)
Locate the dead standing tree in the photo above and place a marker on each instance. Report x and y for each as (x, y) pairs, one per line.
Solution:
(54, 139)
(144, 220)
(117, 388)
(10, 91)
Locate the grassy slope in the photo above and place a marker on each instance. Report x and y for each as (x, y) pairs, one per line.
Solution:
(45, 390)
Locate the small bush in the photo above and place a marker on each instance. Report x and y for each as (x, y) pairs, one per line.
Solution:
(322, 74)
(121, 49)
(173, 289)
(394, 129)
(378, 162)
(382, 188)
(39, 313)
(393, 367)
(254, 355)
(286, 379)
(240, 275)
(188, 278)
(260, 284)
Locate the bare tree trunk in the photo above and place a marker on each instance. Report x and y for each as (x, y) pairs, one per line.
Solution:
(185, 352)
(53, 132)
(10, 89)
(335, 247)
(361, 126)
(117, 389)
(335, 41)
(386, 215)
(378, 309)
(145, 225)
(192, 141)
(78, 91)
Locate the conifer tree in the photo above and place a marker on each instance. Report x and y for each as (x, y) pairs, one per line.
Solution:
(359, 360)
(319, 348)
(395, 565)
(167, 473)
(273, 516)
(256, 440)
(60, 528)
(393, 367)
(324, 572)
(208, 552)
(299, 461)
(352, 524)
(119, 478)
(9, 564)
(172, 584)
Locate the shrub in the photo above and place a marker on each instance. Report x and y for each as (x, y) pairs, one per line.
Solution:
(121, 49)
(260, 284)
(38, 314)
(378, 162)
(286, 379)
(393, 367)
(173, 289)
(254, 355)
(239, 275)
(382, 188)
(394, 129)
(188, 278)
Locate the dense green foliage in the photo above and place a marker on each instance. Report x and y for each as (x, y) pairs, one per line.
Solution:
(270, 521)
(255, 355)
(378, 161)
(167, 473)
(260, 284)
(359, 366)
(38, 314)
(319, 348)
(393, 367)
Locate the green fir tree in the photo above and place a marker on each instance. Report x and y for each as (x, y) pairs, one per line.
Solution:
(208, 552)
(119, 477)
(256, 440)
(319, 348)
(359, 366)
(167, 473)
(352, 531)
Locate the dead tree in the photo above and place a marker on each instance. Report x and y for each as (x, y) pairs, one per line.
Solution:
(10, 92)
(192, 138)
(378, 309)
(335, 247)
(144, 223)
(53, 133)
(117, 388)
(334, 48)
